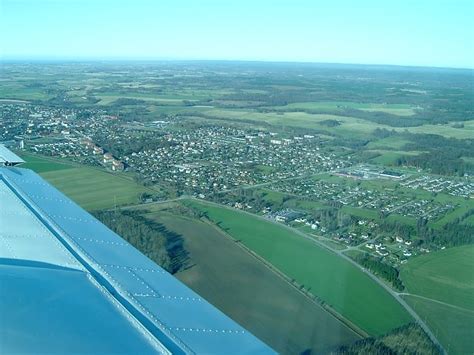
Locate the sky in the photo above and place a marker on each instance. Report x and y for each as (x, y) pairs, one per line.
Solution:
(399, 32)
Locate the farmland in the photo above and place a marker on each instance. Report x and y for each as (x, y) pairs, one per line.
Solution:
(242, 287)
(332, 279)
(91, 188)
(445, 282)
(452, 326)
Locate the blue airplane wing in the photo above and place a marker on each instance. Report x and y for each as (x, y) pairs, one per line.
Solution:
(68, 284)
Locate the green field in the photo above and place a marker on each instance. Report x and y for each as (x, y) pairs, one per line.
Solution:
(334, 280)
(272, 196)
(42, 165)
(452, 327)
(446, 276)
(15, 91)
(246, 290)
(445, 280)
(361, 212)
(394, 109)
(91, 188)
(94, 189)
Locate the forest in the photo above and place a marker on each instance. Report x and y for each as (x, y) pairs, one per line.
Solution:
(409, 339)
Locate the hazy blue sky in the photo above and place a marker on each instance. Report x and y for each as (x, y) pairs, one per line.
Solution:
(404, 32)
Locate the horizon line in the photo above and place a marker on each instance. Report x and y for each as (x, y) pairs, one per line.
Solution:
(15, 59)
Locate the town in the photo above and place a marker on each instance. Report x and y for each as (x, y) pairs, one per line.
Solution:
(216, 162)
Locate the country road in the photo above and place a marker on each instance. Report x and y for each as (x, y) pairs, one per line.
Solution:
(436, 301)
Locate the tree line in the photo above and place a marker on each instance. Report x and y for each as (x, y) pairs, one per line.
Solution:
(153, 239)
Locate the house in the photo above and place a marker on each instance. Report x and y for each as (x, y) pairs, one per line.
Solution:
(117, 165)
(108, 158)
(88, 143)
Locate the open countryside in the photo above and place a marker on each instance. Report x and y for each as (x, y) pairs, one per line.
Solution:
(330, 183)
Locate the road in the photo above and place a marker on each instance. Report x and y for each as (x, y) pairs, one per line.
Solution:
(161, 202)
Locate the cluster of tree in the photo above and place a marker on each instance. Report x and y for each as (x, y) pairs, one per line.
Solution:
(440, 155)
(383, 133)
(408, 339)
(118, 89)
(153, 239)
(456, 234)
(396, 228)
(381, 269)
(349, 142)
(252, 197)
(124, 101)
(443, 162)
(128, 112)
(330, 123)
(333, 218)
(453, 233)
